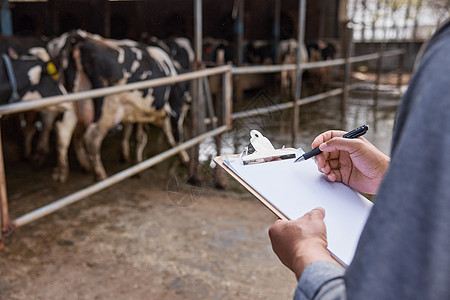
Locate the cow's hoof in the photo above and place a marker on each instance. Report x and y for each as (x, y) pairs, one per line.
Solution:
(100, 177)
(60, 175)
(185, 159)
(124, 158)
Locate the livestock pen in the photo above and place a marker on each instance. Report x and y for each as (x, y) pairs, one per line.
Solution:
(201, 105)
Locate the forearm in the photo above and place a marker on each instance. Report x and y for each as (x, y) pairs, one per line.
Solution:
(321, 280)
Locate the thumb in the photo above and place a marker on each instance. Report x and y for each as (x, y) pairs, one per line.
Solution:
(318, 212)
(342, 144)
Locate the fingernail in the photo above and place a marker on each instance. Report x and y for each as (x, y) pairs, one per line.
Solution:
(321, 209)
(330, 177)
(322, 170)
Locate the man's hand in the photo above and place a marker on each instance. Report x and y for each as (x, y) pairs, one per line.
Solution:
(301, 242)
(355, 162)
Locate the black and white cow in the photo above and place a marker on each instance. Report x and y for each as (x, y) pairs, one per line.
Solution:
(27, 77)
(179, 49)
(15, 46)
(182, 55)
(319, 50)
(258, 52)
(287, 54)
(88, 58)
(217, 51)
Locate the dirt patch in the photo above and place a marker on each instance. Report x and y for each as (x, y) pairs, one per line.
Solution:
(138, 241)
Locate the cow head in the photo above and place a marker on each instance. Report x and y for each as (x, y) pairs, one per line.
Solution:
(61, 51)
(34, 79)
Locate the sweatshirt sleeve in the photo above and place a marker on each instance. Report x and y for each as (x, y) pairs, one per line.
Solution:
(321, 280)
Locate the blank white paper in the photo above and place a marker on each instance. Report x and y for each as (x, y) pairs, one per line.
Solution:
(297, 188)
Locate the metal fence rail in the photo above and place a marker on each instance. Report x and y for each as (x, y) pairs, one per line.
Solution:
(95, 93)
(305, 66)
(311, 65)
(7, 226)
(113, 179)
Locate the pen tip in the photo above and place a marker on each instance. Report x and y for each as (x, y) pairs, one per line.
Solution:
(301, 158)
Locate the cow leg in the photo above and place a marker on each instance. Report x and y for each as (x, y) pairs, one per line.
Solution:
(28, 132)
(112, 114)
(293, 81)
(167, 128)
(78, 147)
(93, 138)
(141, 141)
(127, 130)
(180, 132)
(283, 82)
(64, 130)
(42, 148)
(85, 116)
(180, 122)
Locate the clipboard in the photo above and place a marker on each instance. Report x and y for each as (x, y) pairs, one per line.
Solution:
(344, 224)
(219, 160)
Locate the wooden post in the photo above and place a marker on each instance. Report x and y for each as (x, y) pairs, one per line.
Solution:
(379, 71)
(401, 58)
(363, 18)
(416, 19)
(380, 58)
(347, 69)
(239, 33)
(220, 178)
(298, 83)
(197, 107)
(3, 198)
(276, 30)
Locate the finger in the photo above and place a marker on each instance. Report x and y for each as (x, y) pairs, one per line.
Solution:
(342, 144)
(318, 212)
(320, 161)
(322, 165)
(276, 227)
(328, 135)
(334, 175)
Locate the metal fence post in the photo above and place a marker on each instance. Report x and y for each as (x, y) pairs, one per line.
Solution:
(6, 19)
(5, 224)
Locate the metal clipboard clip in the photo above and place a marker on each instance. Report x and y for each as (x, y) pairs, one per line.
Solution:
(261, 150)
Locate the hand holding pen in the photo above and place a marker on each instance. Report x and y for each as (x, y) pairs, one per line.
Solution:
(354, 161)
(349, 135)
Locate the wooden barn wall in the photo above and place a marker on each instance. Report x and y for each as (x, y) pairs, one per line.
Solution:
(174, 17)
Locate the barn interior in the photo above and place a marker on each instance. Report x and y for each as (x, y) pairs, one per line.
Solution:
(156, 236)
(262, 20)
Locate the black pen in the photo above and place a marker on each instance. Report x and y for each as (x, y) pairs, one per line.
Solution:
(349, 135)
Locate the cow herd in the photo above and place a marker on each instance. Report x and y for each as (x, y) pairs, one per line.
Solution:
(88, 61)
(33, 68)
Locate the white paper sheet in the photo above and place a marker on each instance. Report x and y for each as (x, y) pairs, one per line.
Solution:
(296, 188)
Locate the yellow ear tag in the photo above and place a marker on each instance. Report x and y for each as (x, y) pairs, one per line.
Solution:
(52, 71)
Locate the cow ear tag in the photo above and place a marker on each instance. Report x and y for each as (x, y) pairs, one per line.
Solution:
(52, 71)
(261, 150)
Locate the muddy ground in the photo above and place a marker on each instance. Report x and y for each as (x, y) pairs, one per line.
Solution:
(142, 239)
